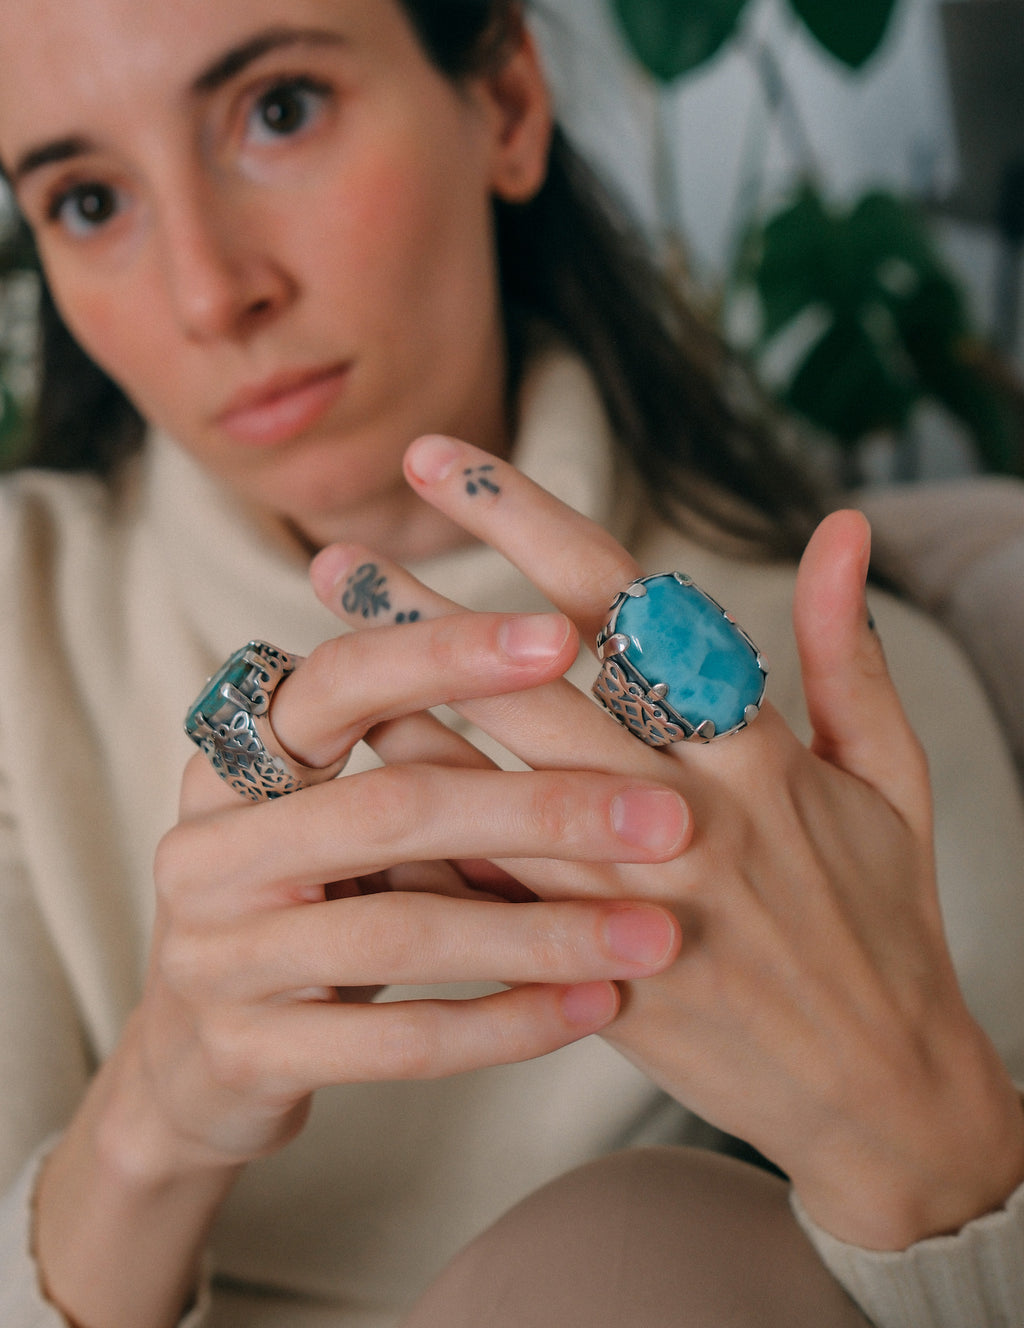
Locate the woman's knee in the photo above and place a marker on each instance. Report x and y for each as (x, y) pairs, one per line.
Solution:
(667, 1238)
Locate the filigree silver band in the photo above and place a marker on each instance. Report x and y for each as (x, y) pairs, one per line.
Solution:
(230, 723)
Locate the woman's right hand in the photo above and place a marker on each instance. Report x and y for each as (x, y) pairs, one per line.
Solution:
(277, 921)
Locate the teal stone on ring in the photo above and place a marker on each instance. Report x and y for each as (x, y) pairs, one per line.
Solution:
(234, 673)
(680, 644)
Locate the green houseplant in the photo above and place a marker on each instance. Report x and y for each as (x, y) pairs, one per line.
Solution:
(886, 323)
(18, 297)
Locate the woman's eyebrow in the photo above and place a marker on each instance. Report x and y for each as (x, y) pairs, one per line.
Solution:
(221, 71)
(235, 61)
(62, 149)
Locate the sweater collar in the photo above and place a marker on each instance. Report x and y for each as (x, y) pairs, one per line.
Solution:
(241, 577)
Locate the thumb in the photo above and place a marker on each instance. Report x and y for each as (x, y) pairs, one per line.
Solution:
(858, 722)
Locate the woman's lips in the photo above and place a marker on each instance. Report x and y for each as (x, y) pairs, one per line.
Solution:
(282, 407)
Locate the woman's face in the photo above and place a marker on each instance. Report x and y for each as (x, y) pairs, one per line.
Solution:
(270, 222)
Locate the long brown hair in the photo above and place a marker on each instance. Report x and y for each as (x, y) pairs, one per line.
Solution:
(700, 439)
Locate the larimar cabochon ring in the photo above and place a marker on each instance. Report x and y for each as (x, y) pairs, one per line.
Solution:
(230, 723)
(675, 665)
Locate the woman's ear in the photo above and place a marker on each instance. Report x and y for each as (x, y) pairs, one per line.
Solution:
(519, 105)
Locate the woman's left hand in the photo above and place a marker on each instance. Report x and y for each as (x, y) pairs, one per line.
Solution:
(814, 1010)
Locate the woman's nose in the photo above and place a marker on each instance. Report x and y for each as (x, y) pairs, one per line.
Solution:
(223, 280)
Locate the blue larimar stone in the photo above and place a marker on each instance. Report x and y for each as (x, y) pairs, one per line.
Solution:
(680, 637)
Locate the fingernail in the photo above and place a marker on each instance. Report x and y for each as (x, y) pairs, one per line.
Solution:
(328, 566)
(590, 1005)
(640, 936)
(534, 636)
(431, 459)
(652, 819)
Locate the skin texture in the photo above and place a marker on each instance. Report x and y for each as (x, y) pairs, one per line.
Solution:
(204, 256)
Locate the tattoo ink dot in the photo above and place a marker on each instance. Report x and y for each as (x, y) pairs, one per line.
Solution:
(412, 616)
(367, 593)
(477, 478)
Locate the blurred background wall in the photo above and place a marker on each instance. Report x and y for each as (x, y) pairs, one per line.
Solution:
(891, 123)
(699, 153)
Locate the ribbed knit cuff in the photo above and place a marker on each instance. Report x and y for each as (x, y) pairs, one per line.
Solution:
(23, 1303)
(975, 1277)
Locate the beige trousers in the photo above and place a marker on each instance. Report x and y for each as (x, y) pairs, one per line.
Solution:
(652, 1238)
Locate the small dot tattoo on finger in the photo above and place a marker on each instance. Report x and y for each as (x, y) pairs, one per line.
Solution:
(479, 477)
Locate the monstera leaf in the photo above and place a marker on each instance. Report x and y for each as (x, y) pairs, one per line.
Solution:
(851, 30)
(671, 38)
(891, 324)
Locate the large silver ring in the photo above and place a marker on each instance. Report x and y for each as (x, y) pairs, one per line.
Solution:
(675, 665)
(230, 723)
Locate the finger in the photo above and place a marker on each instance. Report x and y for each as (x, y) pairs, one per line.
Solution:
(858, 722)
(284, 851)
(419, 738)
(422, 739)
(415, 939)
(297, 1048)
(550, 726)
(353, 682)
(572, 560)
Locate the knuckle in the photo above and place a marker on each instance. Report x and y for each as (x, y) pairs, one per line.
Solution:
(450, 642)
(556, 811)
(171, 863)
(178, 964)
(231, 1052)
(388, 926)
(409, 1041)
(384, 802)
(165, 861)
(324, 665)
(520, 1026)
(200, 965)
(918, 757)
(599, 578)
(182, 874)
(194, 783)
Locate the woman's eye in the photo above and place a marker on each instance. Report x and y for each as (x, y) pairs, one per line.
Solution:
(288, 108)
(84, 208)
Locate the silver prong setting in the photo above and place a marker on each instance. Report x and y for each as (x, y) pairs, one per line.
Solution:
(615, 645)
(653, 710)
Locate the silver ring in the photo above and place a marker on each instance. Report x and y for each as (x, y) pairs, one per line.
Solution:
(230, 723)
(676, 667)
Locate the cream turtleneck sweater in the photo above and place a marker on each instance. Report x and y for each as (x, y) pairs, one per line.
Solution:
(115, 606)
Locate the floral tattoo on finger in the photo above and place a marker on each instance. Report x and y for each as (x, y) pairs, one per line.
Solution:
(368, 595)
